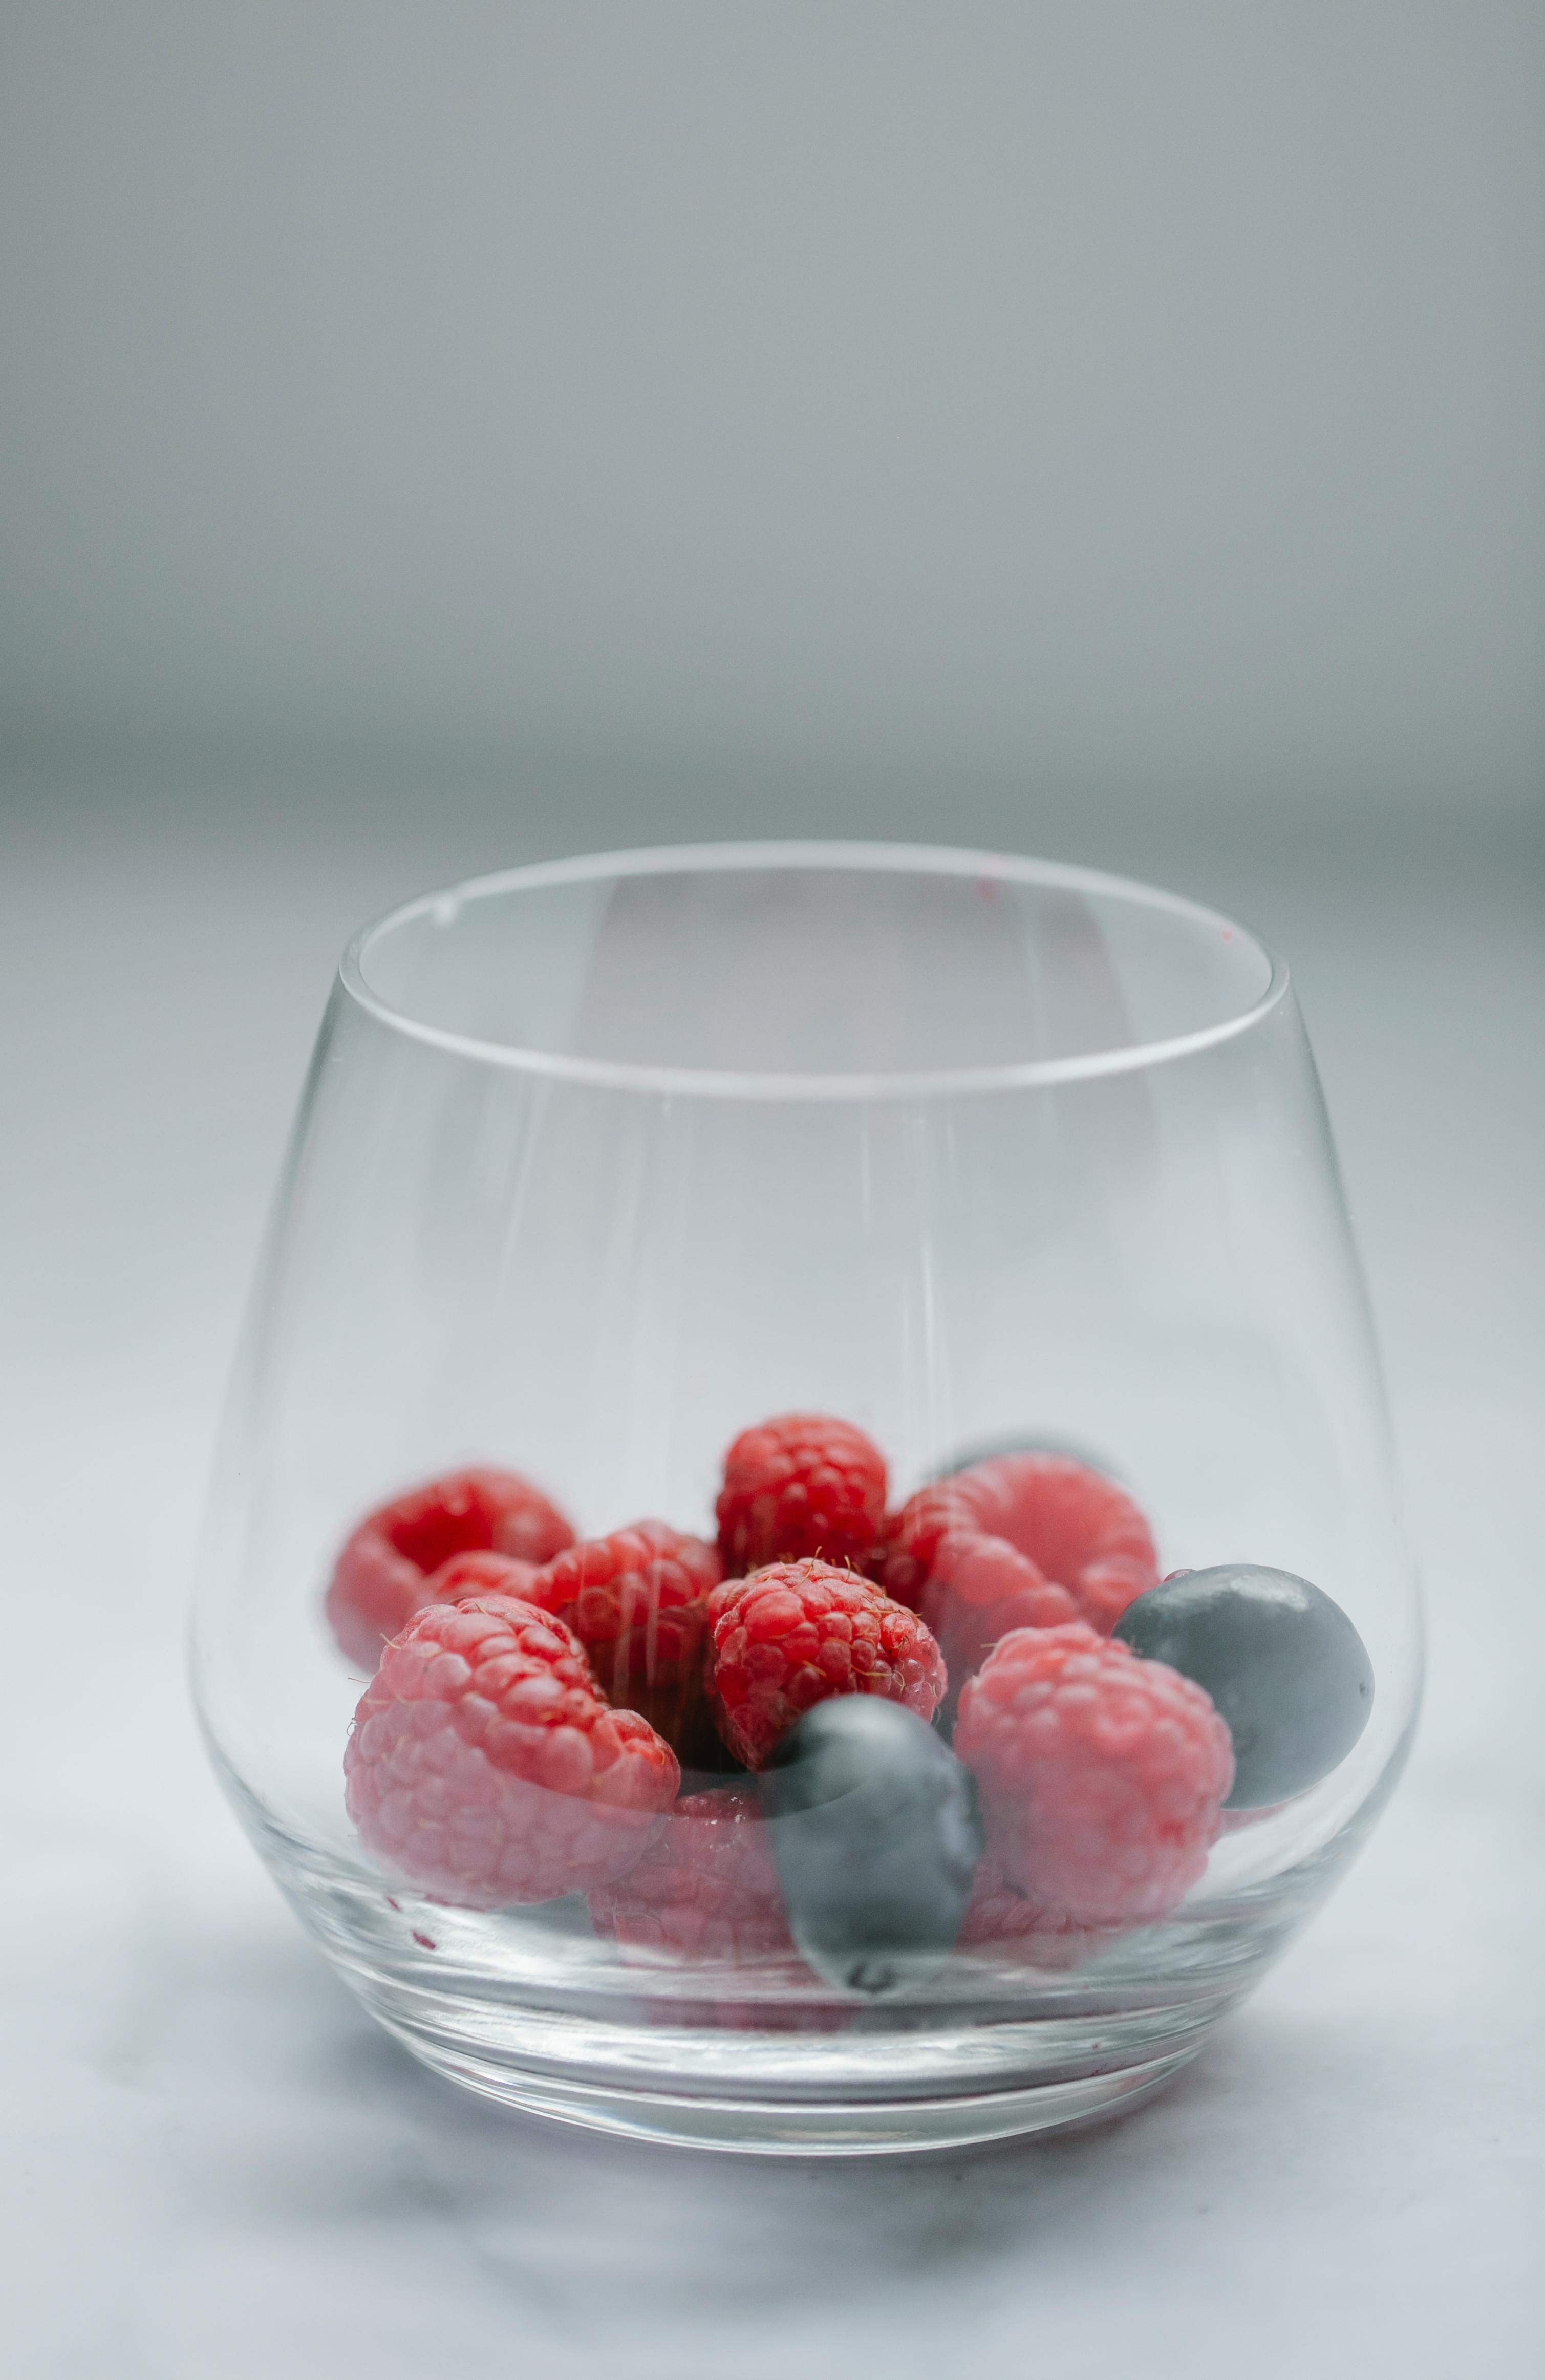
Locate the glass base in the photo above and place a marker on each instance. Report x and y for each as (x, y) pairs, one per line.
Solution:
(770, 2077)
(528, 2008)
(763, 2128)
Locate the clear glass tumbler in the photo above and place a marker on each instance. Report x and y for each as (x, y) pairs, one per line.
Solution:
(600, 1163)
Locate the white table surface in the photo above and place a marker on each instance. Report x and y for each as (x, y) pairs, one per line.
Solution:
(216, 2169)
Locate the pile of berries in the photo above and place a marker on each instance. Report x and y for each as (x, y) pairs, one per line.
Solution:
(738, 1748)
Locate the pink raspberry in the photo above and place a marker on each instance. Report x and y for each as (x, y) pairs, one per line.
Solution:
(378, 1580)
(1102, 1776)
(800, 1486)
(1084, 1552)
(1078, 1527)
(977, 1589)
(1001, 1920)
(795, 1633)
(465, 1575)
(484, 1765)
(706, 1887)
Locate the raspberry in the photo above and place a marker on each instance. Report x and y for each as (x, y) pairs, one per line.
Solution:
(379, 1579)
(484, 1765)
(705, 1886)
(1077, 1526)
(795, 1633)
(1077, 1531)
(904, 1559)
(637, 1600)
(801, 1485)
(998, 1918)
(1102, 1776)
(467, 1574)
(978, 1588)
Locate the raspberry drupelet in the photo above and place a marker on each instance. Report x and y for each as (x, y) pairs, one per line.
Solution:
(1016, 1541)
(1003, 1921)
(1078, 1527)
(707, 1885)
(794, 1633)
(485, 1766)
(378, 1580)
(465, 1575)
(802, 1486)
(637, 1601)
(1102, 1776)
(977, 1589)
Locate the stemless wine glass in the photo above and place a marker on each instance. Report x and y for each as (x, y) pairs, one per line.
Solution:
(600, 1162)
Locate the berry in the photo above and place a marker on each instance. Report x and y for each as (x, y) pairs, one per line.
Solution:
(978, 1588)
(1282, 1663)
(1077, 1529)
(1103, 1776)
(1075, 1524)
(379, 1578)
(484, 1765)
(478, 1574)
(903, 1560)
(705, 1886)
(998, 1918)
(797, 1632)
(876, 1836)
(801, 1485)
(638, 1602)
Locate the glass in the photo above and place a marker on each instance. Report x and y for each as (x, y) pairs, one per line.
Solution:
(603, 1162)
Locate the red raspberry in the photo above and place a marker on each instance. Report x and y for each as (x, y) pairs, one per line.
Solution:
(707, 1885)
(798, 1486)
(1102, 1776)
(637, 1601)
(484, 1765)
(904, 1559)
(379, 1578)
(467, 1574)
(795, 1632)
(1078, 1529)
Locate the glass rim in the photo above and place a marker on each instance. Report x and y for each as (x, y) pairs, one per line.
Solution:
(880, 859)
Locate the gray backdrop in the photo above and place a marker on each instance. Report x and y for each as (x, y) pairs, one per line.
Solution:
(1058, 406)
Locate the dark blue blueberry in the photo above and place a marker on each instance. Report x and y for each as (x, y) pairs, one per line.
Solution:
(876, 1836)
(1284, 1664)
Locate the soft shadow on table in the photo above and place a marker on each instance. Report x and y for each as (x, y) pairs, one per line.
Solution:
(437, 2222)
(311, 2202)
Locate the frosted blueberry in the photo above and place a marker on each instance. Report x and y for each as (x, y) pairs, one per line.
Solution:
(1281, 1661)
(876, 1838)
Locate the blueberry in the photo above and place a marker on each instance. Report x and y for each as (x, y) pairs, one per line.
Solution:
(1284, 1664)
(876, 1836)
